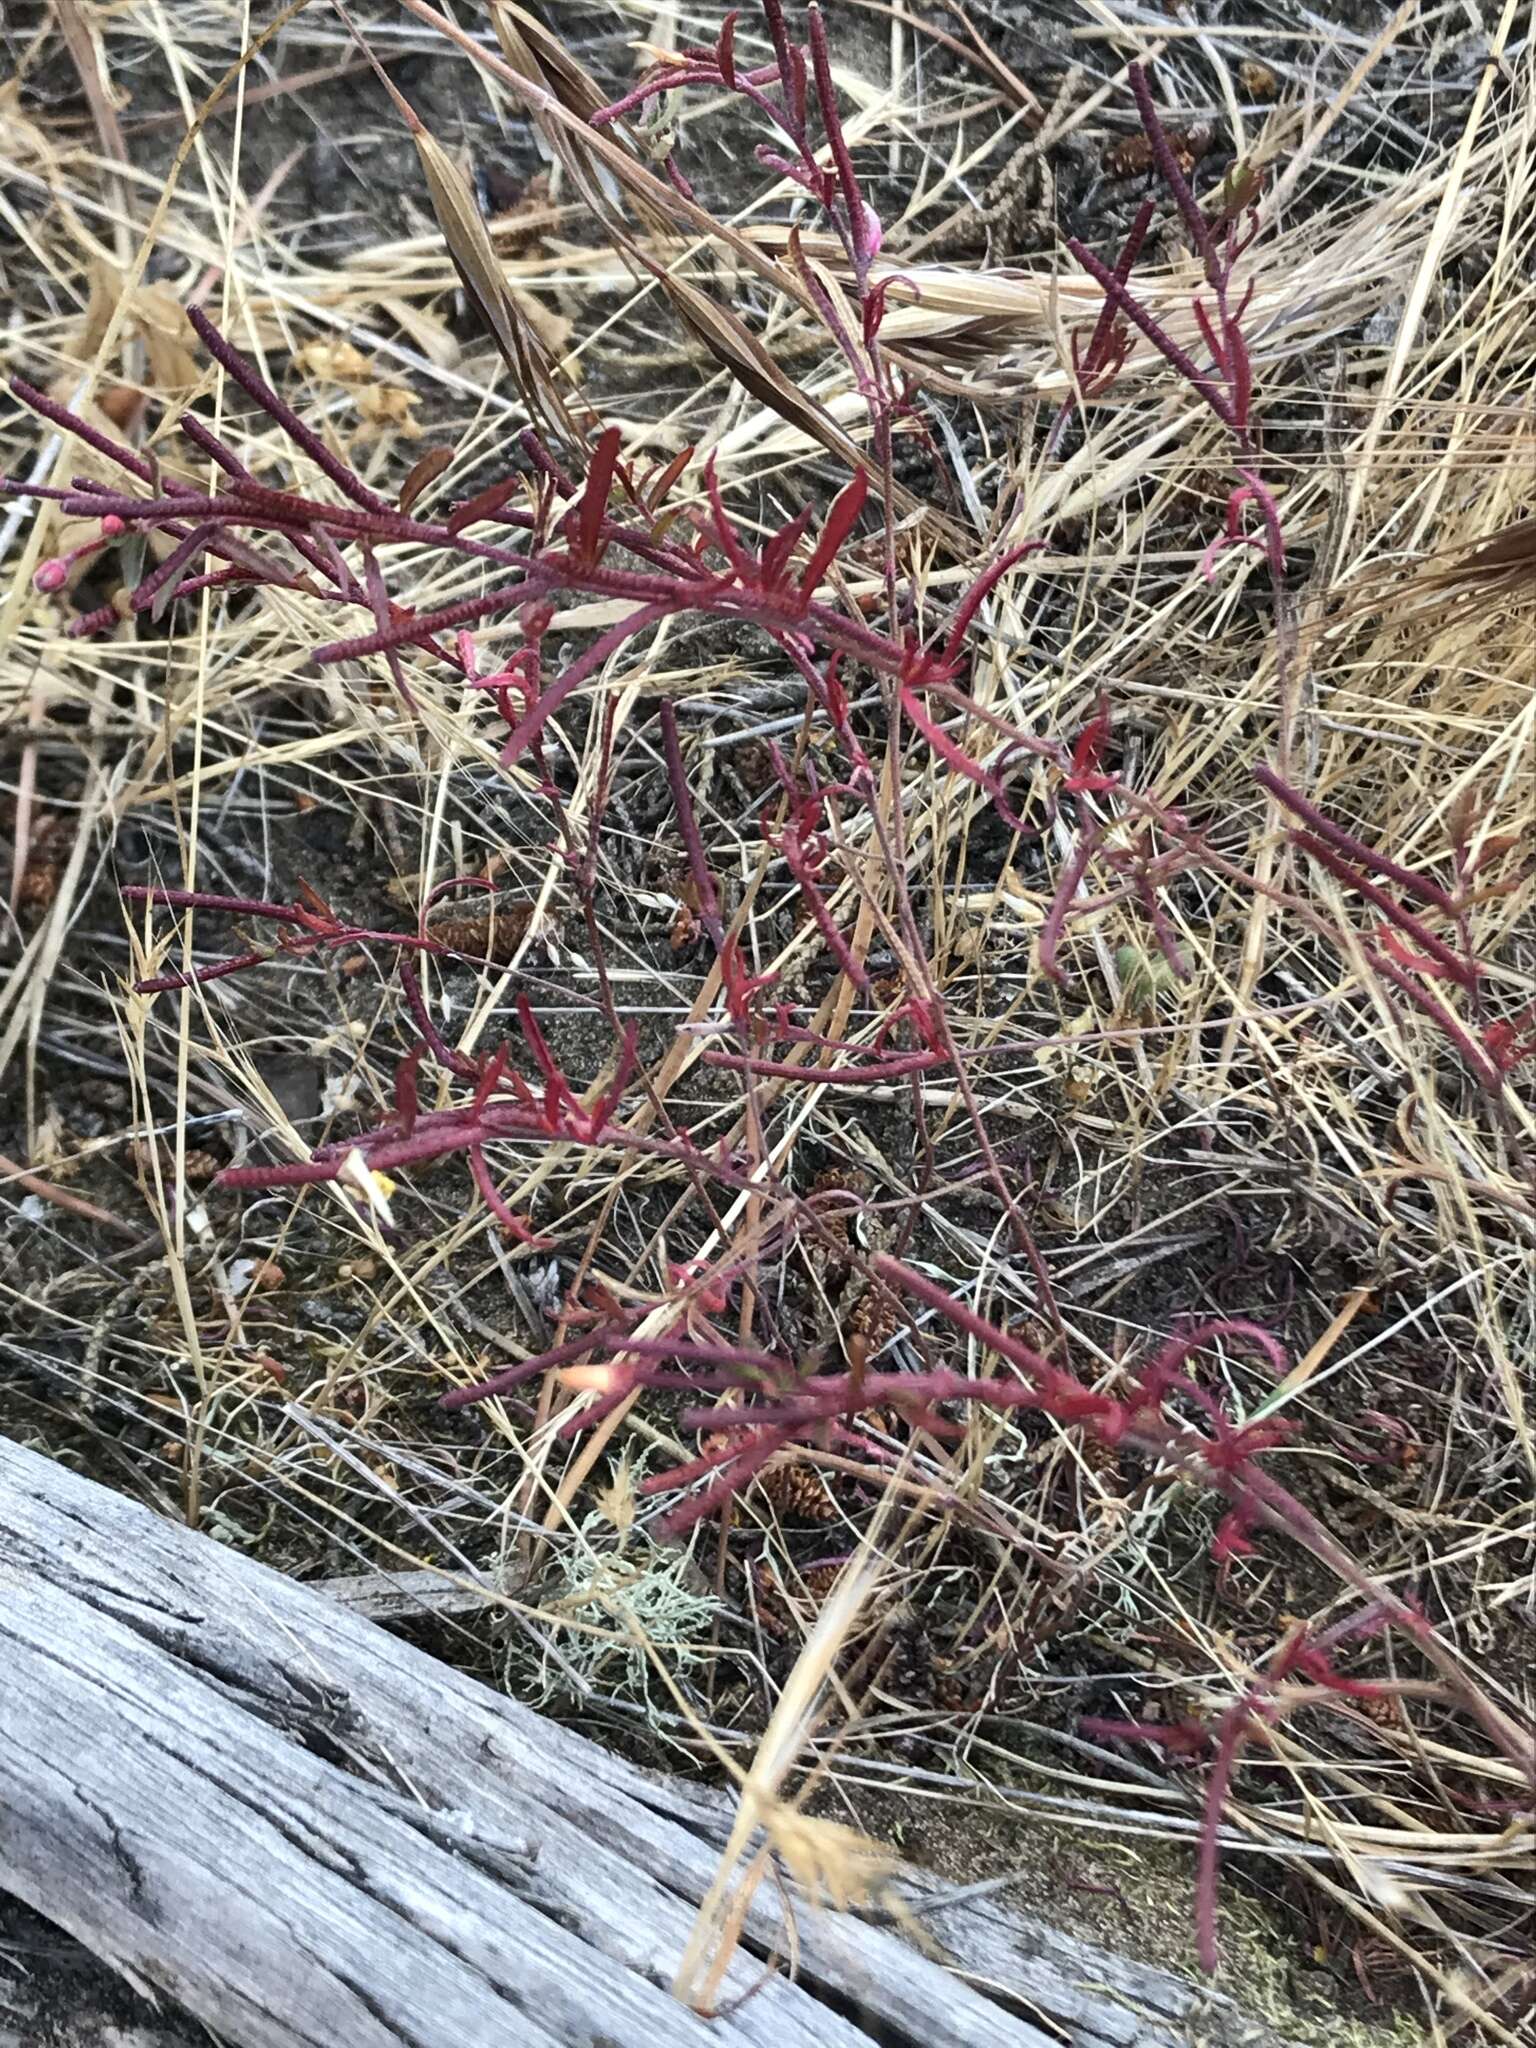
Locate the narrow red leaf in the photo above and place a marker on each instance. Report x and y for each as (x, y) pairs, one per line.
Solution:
(484, 504)
(593, 509)
(840, 522)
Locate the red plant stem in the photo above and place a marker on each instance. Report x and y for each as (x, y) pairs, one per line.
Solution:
(778, 35)
(1484, 1069)
(1459, 970)
(1252, 1489)
(1172, 176)
(537, 716)
(688, 823)
(409, 632)
(1067, 1395)
(954, 756)
(455, 1062)
(81, 430)
(1300, 807)
(1121, 297)
(194, 977)
(856, 232)
(741, 1468)
(816, 903)
(516, 1375)
(440, 1133)
(1282, 1511)
(196, 542)
(1162, 926)
(677, 77)
(776, 609)
(1055, 922)
(979, 592)
(684, 1475)
(1231, 1737)
(740, 1358)
(224, 458)
(261, 393)
(485, 1184)
(198, 899)
(837, 1077)
(1099, 342)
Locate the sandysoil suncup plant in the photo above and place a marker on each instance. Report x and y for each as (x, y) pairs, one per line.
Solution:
(892, 686)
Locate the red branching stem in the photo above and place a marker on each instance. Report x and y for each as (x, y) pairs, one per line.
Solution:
(869, 1076)
(1231, 1737)
(491, 1195)
(408, 631)
(453, 1062)
(261, 393)
(954, 756)
(860, 234)
(816, 903)
(441, 1133)
(1325, 828)
(1098, 363)
(1485, 1070)
(518, 1375)
(224, 458)
(1125, 301)
(194, 977)
(976, 597)
(379, 605)
(1450, 962)
(742, 1359)
(199, 899)
(1068, 1398)
(740, 1466)
(537, 716)
(1067, 885)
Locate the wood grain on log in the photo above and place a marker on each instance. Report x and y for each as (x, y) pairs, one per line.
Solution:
(311, 1835)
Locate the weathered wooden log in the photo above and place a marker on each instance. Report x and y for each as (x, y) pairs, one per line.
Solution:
(308, 1834)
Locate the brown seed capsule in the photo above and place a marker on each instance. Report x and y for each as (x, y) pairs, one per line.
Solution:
(200, 1167)
(796, 1490)
(47, 848)
(776, 1607)
(1257, 80)
(875, 1319)
(490, 929)
(1128, 158)
(1134, 156)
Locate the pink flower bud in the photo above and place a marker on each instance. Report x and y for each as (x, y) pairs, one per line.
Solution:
(51, 575)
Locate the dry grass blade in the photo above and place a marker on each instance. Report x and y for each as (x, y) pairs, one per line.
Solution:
(1507, 557)
(737, 349)
(565, 89)
(475, 259)
(831, 1863)
(480, 272)
(557, 85)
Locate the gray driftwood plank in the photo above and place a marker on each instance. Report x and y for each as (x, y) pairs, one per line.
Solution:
(311, 1835)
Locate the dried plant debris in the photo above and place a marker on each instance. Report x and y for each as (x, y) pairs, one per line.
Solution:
(767, 848)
